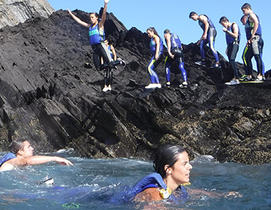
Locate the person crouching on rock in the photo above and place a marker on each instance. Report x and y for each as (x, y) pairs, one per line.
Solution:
(23, 156)
(96, 38)
(156, 46)
(175, 54)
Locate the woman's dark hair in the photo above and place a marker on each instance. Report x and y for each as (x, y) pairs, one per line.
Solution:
(166, 155)
(16, 145)
(153, 30)
(96, 14)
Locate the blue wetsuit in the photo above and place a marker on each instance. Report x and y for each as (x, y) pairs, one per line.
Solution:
(211, 34)
(154, 63)
(232, 49)
(254, 49)
(176, 50)
(7, 157)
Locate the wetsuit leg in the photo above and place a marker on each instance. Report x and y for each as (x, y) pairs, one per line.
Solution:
(202, 52)
(211, 40)
(244, 59)
(248, 57)
(256, 52)
(179, 59)
(232, 53)
(152, 65)
(168, 65)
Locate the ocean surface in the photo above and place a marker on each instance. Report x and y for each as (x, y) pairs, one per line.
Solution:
(91, 184)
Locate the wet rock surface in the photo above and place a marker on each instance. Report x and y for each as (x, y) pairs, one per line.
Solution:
(49, 95)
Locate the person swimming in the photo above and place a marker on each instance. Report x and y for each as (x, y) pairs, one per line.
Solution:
(172, 171)
(22, 155)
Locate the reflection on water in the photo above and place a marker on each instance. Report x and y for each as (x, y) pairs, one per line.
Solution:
(90, 184)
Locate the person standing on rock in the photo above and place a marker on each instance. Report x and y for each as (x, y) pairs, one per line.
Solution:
(232, 32)
(23, 156)
(208, 37)
(175, 54)
(96, 38)
(156, 46)
(255, 42)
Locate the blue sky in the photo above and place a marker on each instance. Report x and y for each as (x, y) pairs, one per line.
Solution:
(173, 14)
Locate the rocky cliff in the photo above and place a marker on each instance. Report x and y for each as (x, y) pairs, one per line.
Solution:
(13, 12)
(50, 96)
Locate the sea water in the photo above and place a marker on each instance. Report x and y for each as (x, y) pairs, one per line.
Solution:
(91, 184)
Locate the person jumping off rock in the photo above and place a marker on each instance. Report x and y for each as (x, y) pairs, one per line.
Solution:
(96, 38)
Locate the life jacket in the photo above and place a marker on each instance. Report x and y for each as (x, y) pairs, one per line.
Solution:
(249, 26)
(175, 41)
(230, 39)
(153, 46)
(202, 25)
(96, 36)
(7, 157)
(154, 180)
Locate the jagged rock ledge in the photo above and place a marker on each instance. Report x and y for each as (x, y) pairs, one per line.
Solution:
(48, 95)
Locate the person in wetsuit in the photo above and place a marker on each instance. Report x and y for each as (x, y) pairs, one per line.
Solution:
(254, 46)
(208, 37)
(232, 32)
(156, 47)
(172, 170)
(22, 155)
(175, 54)
(96, 38)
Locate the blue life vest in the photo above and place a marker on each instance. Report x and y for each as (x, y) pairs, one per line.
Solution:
(175, 41)
(153, 180)
(202, 25)
(153, 46)
(7, 157)
(249, 26)
(230, 39)
(96, 36)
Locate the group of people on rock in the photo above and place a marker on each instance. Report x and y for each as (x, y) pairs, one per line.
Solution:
(103, 58)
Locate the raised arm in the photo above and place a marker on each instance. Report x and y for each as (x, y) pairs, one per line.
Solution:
(101, 23)
(78, 20)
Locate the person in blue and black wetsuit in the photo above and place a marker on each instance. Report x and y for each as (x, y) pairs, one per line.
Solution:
(255, 42)
(156, 47)
(208, 36)
(96, 38)
(175, 54)
(232, 32)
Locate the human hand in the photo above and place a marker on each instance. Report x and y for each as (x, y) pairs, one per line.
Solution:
(63, 161)
(225, 30)
(106, 1)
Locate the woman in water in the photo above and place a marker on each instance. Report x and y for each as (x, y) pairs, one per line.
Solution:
(156, 46)
(172, 171)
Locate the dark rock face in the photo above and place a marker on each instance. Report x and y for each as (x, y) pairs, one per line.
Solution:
(48, 95)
